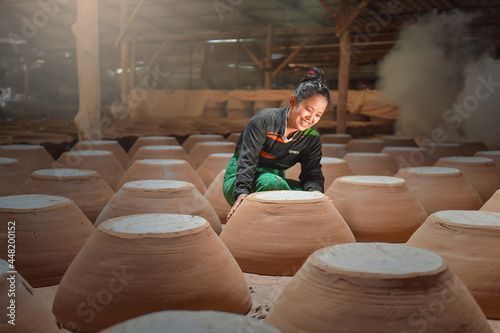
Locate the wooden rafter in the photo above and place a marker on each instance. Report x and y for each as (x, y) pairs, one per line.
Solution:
(290, 57)
(129, 22)
(152, 61)
(253, 57)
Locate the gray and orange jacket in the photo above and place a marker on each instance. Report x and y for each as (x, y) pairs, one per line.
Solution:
(262, 144)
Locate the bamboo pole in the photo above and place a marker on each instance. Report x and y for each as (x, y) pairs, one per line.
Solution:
(124, 51)
(269, 53)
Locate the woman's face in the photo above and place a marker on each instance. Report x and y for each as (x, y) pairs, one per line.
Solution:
(306, 113)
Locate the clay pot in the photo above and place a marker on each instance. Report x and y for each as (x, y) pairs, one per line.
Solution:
(333, 150)
(215, 197)
(332, 168)
(371, 164)
(377, 208)
(376, 288)
(12, 175)
(493, 203)
(29, 310)
(481, 173)
(159, 196)
(212, 165)
(192, 322)
(32, 157)
(398, 141)
(102, 161)
(493, 154)
(440, 188)
(204, 149)
(233, 137)
(468, 241)
(109, 145)
(162, 170)
(152, 141)
(336, 138)
(85, 187)
(471, 146)
(408, 156)
(193, 139)
(139, 264)
(273, 233)
(160, 152)
(365, 145)
(437, 150)
(50, 230)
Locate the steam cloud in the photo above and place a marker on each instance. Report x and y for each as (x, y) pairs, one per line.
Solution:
(441, 83)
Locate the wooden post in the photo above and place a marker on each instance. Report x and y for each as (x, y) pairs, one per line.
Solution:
(124, 51)
(86, 31)
(133, 61)
(269, 53)
(27, 70)
(237, 64)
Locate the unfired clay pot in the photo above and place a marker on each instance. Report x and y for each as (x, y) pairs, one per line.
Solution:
(163, 170)
(336, 138)
(233, 137)
(468, 241)
(160, 152)
(365, 145)
(376, 288)
(212, 165)
(407, 157)
(159, 196)
(33, 157)
(440, 188)
(273, 233)
(139, 264)
(493, 203)
(398, 141)
(193, 139)
(215, 197)
(152, 141)
(85, 187)
(493, 154)
(30, 313)
(371, 164)
(336, 150)
(471, 146)
(204, 149)
(332, 168)
(192, 322)
(377, 208)
(481, 173)
(438, 150)
(12, 175)
(50, 230)
(109, 145)
(102, 161)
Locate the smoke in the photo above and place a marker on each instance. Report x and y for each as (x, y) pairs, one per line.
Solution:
(444, 89)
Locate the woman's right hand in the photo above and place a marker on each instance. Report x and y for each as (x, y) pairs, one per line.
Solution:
(238, 201)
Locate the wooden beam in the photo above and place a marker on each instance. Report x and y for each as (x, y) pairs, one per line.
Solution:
(129, 22)
(269, 53)
(133, 61)
(237, 64)
(347, 24)
(27, 71)
(344, 66)
(252, 56)
(330, 9)
(290, 57)
(124, 50)
(152, 61)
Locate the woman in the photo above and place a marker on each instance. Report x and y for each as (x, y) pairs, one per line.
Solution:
(274, 140)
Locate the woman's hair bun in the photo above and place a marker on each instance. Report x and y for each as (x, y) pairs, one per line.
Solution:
(315, 74)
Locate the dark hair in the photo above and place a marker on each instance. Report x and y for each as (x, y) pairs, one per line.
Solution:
(313, 84)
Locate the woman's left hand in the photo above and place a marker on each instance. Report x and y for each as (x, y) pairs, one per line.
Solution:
(241, 197)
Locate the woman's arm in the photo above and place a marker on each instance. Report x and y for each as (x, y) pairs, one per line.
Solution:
(311, 176)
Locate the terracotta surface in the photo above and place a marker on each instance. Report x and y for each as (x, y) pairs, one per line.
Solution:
(50, 230)
(160, 152)
(398, 141)
(468, 241)
(215, 197)
(12, 175)
(332, 168)
(30, 313)
(233, 137)
(212, 165)
(85, 187)
(152, 141)
(33, 157)
(376, 287)
(202, 150)
(371, 164)
(377, 208)
(365, 145)
(493, 203)
(493, 154)
(471, 146)
(138, 254)
(159, 196)
(274, 232)
(164, 170)
(102, 161)
(438, 150)
(336, 138)
(481, 173)
(440, 188)
(109, 145)
(333, 150)
(193, 139)
(407, 157)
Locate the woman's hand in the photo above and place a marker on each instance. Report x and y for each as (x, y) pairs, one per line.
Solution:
(238, 201)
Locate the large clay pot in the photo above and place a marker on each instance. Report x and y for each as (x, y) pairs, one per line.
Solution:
(193, 139)
(481, 173)
(215, 197)
(332, 168)
(28, 313)
(468, 241)
(138, 264)
(438, 150)
(204, 149)
(163, 170)
(12, 175)
(212, 165)
(471, 146)
(49, 230)
(109, 145)
(493, 154)
(273, 233)
(336, 150)
(192, 322)
(336, 138)
(159, 196)
(371, 164)
(440, 188)
(85, 187)
(365, 145)
(493, 203)
(377, 208)
(33, 157)
(408, 156)
(233, 137)
(160, 152)
(152, 141)
(398, 141)
(102, 161)
(376, 288)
